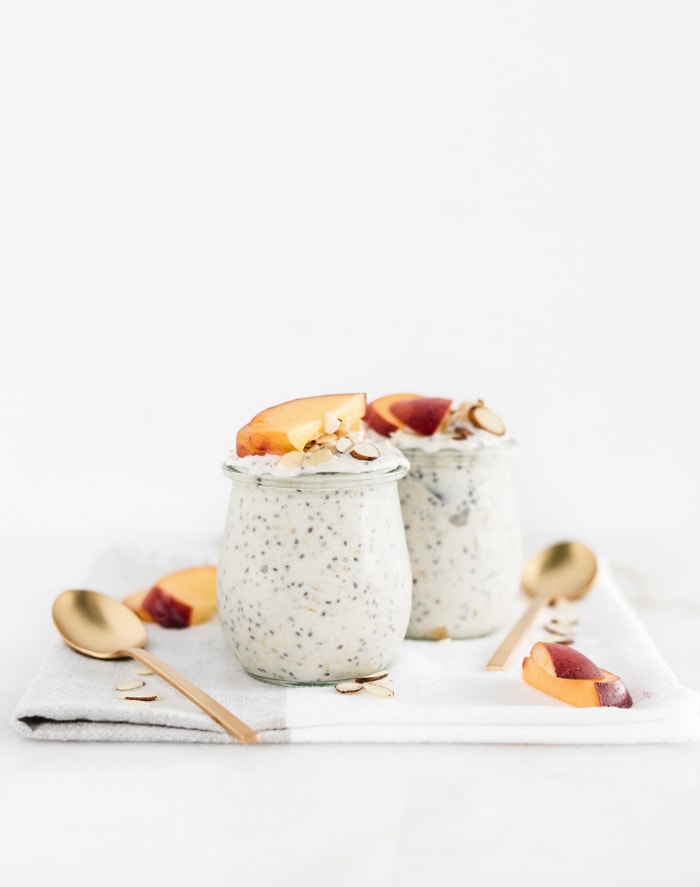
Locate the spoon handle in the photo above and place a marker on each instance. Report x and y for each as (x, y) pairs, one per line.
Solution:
(221, 715)
(501, 657)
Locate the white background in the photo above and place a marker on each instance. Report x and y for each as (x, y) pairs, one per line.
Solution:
(207, 208)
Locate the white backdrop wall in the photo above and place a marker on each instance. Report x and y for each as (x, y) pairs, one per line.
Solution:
(207, 208)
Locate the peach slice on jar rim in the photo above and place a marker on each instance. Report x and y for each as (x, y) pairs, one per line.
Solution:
(424, 415)
(244, 446)
(294, 424)
(380, 416)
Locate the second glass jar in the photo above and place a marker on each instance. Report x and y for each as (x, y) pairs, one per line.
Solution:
(464, 540)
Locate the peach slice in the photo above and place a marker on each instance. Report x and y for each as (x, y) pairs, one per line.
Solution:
(185, 597)
(293, 424)
(546, 671)
(134, 601)
(380, 416)
(562, 661)
(607, 690)
(244, 447)
(424, 415)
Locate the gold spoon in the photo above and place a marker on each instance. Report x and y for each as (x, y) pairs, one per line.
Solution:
(99, 626)
(565, 570)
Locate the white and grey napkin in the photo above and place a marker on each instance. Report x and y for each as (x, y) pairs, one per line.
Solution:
(442, 692)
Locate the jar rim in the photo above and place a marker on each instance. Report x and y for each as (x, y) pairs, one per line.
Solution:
(451, 449)
(318, 480)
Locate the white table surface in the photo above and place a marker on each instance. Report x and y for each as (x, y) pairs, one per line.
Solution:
(366, 815)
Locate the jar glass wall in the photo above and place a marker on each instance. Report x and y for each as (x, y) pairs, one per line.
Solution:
(314, 581)
(464, 540)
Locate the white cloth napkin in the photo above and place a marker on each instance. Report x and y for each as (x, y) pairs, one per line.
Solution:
(442, 692)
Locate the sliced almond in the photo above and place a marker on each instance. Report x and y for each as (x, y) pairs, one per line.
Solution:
(318, 457)
(567, 641)
(562, 605)
(564, 623)
(292, 459)
(144, 698)
(129, 685)
(343, 444)
(348, 687)
(365, 450)
(326, 440)
(556, 630)
(379, 690)
(481, 416)
(144, 670)
(369, 678)
(461, 413)
(331, 423)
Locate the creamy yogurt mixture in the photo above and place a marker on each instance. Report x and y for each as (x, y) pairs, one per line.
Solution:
(389, 457)
(477, 439)
(314, 580)
(462, 530)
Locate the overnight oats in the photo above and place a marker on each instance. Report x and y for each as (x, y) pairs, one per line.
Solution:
(460, 514)
(314, 580)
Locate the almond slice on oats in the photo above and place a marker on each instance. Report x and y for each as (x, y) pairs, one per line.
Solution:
(331, 423)
(343, 444)
(365, 450)
(292, 459)
(379, 690)
(484, 418)
(461, 412)
(348, 687)
(369, 678)
(318, 457)
(123, 686)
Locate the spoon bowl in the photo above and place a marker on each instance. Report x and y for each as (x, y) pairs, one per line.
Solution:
(97, 625)
(103, 628)
(565, 570)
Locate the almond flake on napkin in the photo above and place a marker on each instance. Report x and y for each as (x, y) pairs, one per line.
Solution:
(442, 692)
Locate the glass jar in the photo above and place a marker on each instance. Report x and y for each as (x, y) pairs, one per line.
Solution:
(464, 540)
(314, 579)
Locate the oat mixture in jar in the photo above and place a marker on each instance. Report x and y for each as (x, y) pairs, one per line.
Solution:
(314, 580)
(461, 519)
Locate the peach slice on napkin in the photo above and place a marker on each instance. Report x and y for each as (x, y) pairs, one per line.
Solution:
(134, 601)
(568, 675)
(179, 599)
